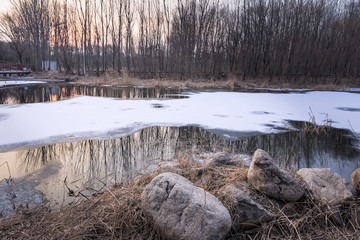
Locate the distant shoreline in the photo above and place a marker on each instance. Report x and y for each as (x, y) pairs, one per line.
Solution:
(230, 83)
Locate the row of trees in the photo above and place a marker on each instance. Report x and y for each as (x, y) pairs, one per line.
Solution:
(188, 38)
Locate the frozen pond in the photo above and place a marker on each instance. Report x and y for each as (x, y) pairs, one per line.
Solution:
(231, 113)
(64, 138)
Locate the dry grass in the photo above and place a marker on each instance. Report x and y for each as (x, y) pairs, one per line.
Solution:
(316, 128)
(113, 214)
(113, 78)
(117, 214)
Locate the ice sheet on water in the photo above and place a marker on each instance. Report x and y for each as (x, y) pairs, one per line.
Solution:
(94, 117)
(281, 89)
(18, 82)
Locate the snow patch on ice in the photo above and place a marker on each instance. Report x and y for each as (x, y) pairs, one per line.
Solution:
(96, 117)
(15, 82)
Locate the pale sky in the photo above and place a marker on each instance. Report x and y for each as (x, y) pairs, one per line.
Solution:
(4, 5)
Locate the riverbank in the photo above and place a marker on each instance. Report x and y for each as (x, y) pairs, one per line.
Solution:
(119, 213)
(113, 79)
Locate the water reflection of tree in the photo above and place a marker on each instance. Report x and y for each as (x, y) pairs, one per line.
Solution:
(91, 159)
(34, 94)
(122, 158)
(301, 149)
(90, 164)
(33, 159)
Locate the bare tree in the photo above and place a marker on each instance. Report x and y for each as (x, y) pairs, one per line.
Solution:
(274, 39)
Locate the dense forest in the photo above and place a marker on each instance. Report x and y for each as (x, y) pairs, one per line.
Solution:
(186, 38)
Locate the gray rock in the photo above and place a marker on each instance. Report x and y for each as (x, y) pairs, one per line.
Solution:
(355, 181)
(249, 213)
(326, 185)
(268, 178)
(14, 195)
(183, 211)
(174, 167)
(224, 158)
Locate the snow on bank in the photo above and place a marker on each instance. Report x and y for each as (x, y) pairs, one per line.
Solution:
(18, 82)
(95, 117)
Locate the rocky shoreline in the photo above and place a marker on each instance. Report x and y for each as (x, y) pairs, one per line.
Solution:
(220, 198)
(169, 198)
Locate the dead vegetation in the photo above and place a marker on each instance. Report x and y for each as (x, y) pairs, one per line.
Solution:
(125, 79)
(117, 214)
(316, 128)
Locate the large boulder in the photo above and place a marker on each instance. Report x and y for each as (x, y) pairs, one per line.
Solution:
(355, 181)
(249, 213)
(268, 178)
(224, 158)
(183, 211)
(326, 185)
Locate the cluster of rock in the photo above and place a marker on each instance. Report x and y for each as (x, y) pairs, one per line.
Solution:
(181, 210)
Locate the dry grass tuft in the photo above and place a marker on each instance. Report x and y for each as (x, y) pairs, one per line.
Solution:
(113, 214)
(316, 128)
(117, 213)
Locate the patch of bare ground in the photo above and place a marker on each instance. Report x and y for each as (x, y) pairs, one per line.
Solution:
(117, 214)
(113, 78)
